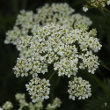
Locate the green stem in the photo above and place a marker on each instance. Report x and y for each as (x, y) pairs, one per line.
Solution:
(15, 6)
(57, 82)
(102, 12)
(104, 66)
(24, 3)
(52, 75)
(104, 88)
(107, 10)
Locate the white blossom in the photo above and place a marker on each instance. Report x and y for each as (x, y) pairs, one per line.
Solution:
(79, 88)
(59, 48)
(23, 104)
(1, 108)
(7, 105)
(108, 2)
(98, 3)
(38, 89)
(58, 13)
(54, 36)
(89, 61)
(56, 103)
(85, 9)
(21, 99)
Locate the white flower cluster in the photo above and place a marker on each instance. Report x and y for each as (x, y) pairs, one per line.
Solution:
(59, 13)
(56, 103)
(56, 13)
(79, 88)
(7, 106)
(85, 9)
(96, 4)
(58, 45)
(108, 2)
(21, 99)
(55, 36)
(23, 104)
(89, 61)
(38, 89)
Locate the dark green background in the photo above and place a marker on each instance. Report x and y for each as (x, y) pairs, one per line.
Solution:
(10, 85)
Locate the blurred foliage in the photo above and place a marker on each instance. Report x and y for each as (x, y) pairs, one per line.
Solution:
(101, 101)
(9, 85)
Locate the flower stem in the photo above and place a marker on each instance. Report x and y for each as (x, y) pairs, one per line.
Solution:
(104, 88)
(52, 75)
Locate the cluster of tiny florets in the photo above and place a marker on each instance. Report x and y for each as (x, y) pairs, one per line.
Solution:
(99, 3)
(56, 103)
(23, 104)
(89, 61)
(7, 106)
(96, 4)
(79, 88)
(60, 13)
(54, 36)
(55, 44)
(38, 89)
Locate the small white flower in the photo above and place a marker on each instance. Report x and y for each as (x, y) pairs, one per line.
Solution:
(79, 88)
(108, 2)
(105, 104)
(85, 9)
(1, 108)
(56, 103)
(7, 105)
(38, 89)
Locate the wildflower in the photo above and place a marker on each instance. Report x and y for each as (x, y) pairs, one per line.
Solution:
(56, 103)
(85, 9)
(1, 108)
(79, 88)
(7, 105)
(108, 2)
(98, 3)
(54, 36)
(21, 99)
(23, 104)
(58, 13)
(89, 61)
(38, 89)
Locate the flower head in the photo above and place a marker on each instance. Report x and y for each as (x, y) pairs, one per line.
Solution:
(79, 88)
(7, 105)
(38, 89)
